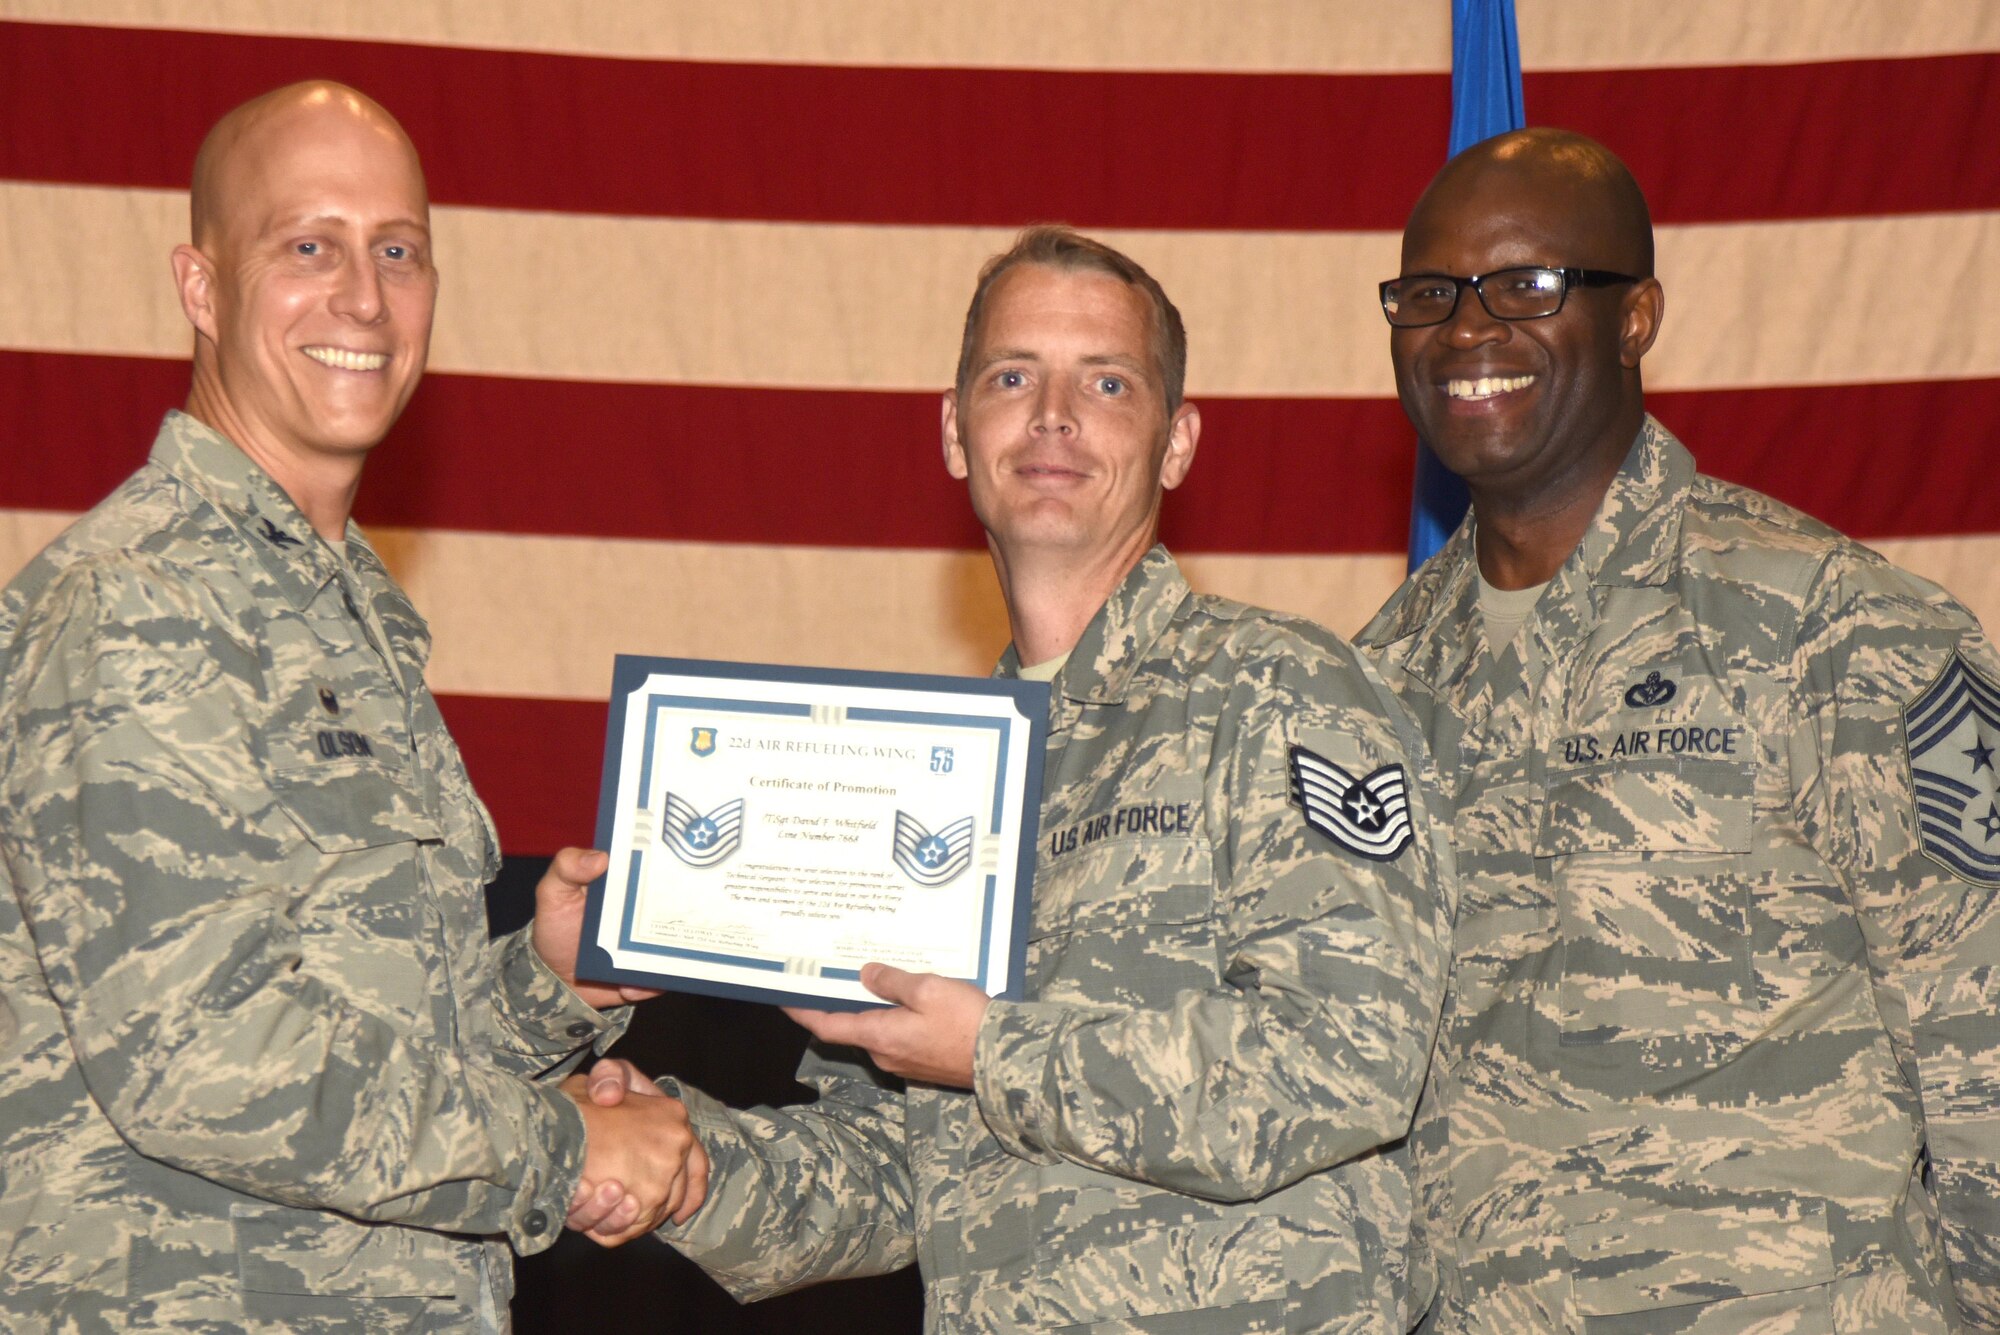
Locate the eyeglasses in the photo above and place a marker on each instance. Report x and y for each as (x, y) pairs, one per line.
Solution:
(1507, 294)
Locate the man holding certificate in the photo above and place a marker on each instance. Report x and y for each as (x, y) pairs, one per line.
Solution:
(1239, 928)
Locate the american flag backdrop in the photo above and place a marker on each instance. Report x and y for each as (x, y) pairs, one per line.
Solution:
(704, 266)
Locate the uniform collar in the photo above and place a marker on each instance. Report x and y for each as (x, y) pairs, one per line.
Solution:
(1634, 539)
(399, 616)
(1138, 611)
(1439, 609)
(272, 526)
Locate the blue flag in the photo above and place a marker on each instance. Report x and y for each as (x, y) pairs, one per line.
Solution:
(1485, 101)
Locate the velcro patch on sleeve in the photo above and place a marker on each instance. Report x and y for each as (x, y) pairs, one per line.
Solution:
(1952, 731)
(1368, 816)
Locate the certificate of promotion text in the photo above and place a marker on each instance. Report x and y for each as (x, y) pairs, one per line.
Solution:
(772, 829)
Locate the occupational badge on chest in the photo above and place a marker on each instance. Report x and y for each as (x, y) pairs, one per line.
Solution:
(1952, 731)
(1651, 693)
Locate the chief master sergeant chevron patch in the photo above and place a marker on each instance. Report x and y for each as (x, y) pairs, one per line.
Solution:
(1952, 730)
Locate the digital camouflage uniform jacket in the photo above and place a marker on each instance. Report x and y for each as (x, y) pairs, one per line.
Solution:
(1183, 1129)
(258, 1059)
(1722, 1051)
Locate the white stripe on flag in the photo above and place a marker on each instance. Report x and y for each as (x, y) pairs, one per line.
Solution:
(867, 307)
(1307, 36)
(488, 595)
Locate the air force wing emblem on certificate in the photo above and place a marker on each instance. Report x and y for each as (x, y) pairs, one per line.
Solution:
(932, 859)
(1953, 733)
(1369, 815)
(697, 839)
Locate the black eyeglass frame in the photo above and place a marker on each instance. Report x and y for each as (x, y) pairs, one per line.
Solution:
(1477, 282)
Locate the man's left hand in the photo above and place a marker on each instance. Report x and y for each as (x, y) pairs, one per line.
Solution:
(559, 901)
(928, 1035)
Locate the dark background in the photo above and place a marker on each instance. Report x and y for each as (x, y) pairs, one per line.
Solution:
(743, 1054)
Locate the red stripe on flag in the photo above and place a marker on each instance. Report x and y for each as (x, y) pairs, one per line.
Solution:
(1736, 143)
(704, 464)
(1001, 147)
(78, 425)
(1909, 460)
(854, 469)
(536, 763)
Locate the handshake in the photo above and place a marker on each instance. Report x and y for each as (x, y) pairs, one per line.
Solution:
(642, 1164)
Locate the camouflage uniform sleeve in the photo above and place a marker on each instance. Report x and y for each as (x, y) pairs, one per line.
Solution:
(802, 1194)
(1312, 1046)
(533, 1025)
(177, 962)
(1874, 642)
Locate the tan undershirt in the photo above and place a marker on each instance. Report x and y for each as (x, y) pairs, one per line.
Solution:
(1043, 671)
(1504, 611)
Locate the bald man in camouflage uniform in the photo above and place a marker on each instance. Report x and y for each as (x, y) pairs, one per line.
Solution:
(1239, 919)
(1722, 1051)
(260, 1066)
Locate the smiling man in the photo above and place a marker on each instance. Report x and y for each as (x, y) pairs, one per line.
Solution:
(1721, 1050)
(1187, 1126)
(260, 1067)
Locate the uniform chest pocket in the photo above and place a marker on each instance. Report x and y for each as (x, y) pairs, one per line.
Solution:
(343, 806)
(1124, 921)
(1667, 806)
(280, 1250)
(1703, 1270)
(1121, 1268)
(361, 918)
(1653, 895)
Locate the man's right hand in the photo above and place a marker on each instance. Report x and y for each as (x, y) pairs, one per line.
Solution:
(641, 1164)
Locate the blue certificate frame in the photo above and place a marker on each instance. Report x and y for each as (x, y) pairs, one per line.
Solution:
(770, 829)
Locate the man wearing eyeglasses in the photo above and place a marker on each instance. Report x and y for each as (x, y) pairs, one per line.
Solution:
(1723, 1047)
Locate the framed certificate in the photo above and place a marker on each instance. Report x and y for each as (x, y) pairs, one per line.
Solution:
(772, 829)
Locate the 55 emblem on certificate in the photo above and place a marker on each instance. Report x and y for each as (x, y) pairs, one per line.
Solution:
(772, 829)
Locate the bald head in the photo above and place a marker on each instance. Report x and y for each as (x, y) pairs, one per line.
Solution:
(1574, 174)
(310, 286)
(263, 132)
